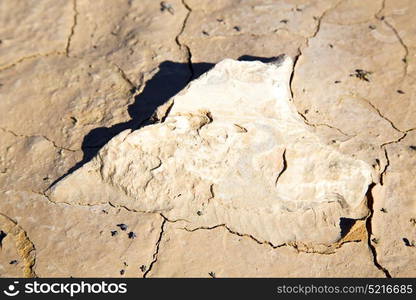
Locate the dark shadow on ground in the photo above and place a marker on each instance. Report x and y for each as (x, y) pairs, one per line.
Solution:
(170, 79)
(346, 224)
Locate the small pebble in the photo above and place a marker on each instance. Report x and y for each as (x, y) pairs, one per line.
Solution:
(122, 226)
(132, 235)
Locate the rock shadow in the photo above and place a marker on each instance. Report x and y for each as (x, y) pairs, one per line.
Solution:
(170, 79)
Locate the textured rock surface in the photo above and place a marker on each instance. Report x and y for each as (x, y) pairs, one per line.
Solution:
(102, 67)
(218, 252)
(233, 150)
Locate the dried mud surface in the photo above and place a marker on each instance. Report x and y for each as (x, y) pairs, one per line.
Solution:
(74, 74)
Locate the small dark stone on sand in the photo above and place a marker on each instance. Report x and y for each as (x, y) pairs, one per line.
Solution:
(122, 226)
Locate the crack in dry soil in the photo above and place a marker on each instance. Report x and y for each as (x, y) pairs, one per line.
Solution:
(72, 30)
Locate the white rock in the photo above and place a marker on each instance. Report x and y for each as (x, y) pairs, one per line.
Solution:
(233, 150)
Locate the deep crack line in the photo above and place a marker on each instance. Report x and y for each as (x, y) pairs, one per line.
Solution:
(383, 172)
(123, 75)
(156, 253)
(184, 46)
(370, 205)
(379, 16)
(296, 61)
(297, 246)
(319, 21)
(24, 246)
(72, 31)
(29, 57)
(379, 113)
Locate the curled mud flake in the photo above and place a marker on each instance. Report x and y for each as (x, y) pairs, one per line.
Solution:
(2, 236)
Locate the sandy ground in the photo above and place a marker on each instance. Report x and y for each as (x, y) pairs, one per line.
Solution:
(74, 74)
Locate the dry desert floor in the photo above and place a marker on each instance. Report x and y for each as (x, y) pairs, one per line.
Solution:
(93, 184)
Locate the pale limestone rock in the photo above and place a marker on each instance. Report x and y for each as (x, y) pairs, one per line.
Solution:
(223, 254)
(233, 150)
(77, 241)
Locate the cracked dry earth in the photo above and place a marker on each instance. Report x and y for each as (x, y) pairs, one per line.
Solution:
(298, 166)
